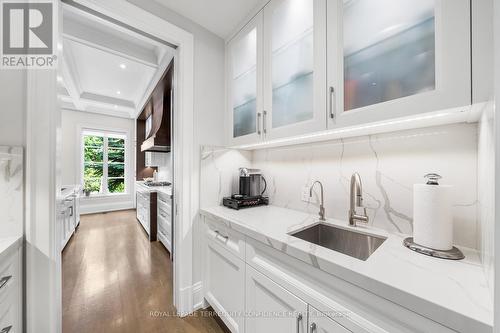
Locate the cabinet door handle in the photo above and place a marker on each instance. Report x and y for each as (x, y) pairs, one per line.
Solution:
(312, 328)
(6, 329)
(4, 280)
(264, 122)
(299, 319)
(221, 238)
(332, 102)
(259, 115)
(71, 211)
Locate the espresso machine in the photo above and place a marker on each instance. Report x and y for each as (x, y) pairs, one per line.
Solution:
(252, 186)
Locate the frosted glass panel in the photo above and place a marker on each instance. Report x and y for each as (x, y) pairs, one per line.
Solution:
(244, 80)
(389, 50)
(292, 62)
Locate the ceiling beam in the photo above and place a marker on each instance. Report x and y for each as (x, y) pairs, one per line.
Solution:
(109, 43)
(69, 76)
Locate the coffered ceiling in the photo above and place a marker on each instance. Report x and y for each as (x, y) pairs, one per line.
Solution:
(107, 68)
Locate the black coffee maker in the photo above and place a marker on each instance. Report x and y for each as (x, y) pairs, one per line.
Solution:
(251, 191)
(250, 182)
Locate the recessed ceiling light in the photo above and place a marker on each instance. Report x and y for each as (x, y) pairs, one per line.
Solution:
(59, 78)
(115, 106)
(123, 66)
(118, 92)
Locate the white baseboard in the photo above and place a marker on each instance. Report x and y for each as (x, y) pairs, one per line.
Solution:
(198, 300)
(94, 206)
(191, 299)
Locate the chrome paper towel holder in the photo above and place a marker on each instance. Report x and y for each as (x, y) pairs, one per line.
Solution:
(453, 254)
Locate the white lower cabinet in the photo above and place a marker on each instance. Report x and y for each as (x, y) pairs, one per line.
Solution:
(270, 308)
(164, 220)
(320, 323)
(224, 285)
(256, 288)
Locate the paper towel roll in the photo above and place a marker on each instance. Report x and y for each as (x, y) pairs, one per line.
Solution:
(432, 216)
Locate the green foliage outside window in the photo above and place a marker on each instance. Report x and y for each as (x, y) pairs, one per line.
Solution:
(95, 157)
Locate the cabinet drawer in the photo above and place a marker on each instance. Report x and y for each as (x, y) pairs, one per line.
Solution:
(166, 240)
(230, 240)
(165, 227)
(164, 213)
(354, 308)
(164, 201)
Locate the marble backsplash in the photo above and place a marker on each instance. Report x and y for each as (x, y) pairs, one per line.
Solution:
(11, 191)
(219, 173)
(389, 165)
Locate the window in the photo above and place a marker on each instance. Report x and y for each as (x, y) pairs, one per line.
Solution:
(103, 162)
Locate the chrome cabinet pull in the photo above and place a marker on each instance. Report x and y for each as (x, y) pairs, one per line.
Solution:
(312, 328)
(6, 329)
(259, 115)
(4, 280)
(332, 103)
(299, 319)
(71, 211)
(264, 122)
(220, 237)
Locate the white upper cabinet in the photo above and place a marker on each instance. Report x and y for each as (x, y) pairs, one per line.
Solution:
(294, 67)
(302, 66)
(394, 58)
(244, 83)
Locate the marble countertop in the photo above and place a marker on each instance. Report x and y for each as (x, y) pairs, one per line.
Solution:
(453, 293)
(158, 189)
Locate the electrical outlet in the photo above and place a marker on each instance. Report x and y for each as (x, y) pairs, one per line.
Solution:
(305, 194)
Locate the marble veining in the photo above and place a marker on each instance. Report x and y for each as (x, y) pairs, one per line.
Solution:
(453, 293)
(11, 191)
(219, 173)
(389, 165)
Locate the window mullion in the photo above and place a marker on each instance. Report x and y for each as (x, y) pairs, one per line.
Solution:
(105, 164)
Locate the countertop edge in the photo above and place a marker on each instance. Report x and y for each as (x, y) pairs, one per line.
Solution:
(375, 286)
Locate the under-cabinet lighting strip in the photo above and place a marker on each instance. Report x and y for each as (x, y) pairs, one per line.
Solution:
(326, 133)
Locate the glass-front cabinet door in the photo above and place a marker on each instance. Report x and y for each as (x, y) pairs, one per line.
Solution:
(395, 58)
(294, 67)
(244, 78)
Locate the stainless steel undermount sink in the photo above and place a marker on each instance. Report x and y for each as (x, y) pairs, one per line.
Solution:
(355, 244)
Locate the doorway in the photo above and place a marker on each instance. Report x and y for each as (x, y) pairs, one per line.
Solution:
(41, 155)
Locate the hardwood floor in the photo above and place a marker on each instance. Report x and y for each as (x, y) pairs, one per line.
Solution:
(115, 280)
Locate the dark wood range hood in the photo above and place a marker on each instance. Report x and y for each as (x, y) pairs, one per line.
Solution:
(158, 108)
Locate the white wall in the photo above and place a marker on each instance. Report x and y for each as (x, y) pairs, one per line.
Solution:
(12, 107)
(72, 121)
(497, 164)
